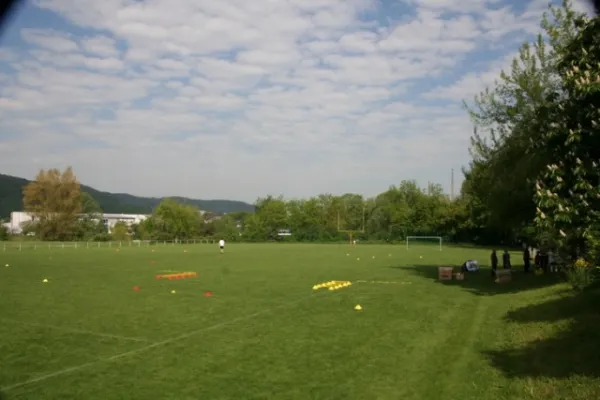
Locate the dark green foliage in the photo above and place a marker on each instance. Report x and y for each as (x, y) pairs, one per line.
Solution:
(511, 116)
(3, 232)
(568, 190)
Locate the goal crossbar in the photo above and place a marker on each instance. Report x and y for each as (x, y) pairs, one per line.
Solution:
(439, 238)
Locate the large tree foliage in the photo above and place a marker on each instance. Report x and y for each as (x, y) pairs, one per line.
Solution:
(90, 225)
(120, 231)
(568, 190)
(502, 174)
(54, 200)
(172, 220)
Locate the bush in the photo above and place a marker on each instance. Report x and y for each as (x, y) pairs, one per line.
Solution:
(581, 274)
(3, 232)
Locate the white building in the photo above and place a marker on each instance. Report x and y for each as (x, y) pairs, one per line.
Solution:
(129, 219)
(19, 218)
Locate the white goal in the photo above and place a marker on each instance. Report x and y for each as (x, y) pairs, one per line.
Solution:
(422, 240)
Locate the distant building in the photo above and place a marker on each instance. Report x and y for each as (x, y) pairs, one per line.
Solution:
(19, 218)
(129, 219)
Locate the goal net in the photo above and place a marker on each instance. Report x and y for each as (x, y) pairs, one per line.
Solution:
(420, 241)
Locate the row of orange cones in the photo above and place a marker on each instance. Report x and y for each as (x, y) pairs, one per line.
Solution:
(182, 275)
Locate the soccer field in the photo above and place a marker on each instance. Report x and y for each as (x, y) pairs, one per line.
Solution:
(266, 334)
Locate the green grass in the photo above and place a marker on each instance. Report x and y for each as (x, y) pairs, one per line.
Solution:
(265, 334)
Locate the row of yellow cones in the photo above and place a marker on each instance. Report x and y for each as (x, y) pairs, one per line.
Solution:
(335, 285)
(332, 285)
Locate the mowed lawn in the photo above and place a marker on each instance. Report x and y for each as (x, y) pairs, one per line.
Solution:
(265, 334)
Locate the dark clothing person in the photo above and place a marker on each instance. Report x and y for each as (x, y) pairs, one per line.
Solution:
(543, 263)
(506, 260)
(526, 260)
(494, 261)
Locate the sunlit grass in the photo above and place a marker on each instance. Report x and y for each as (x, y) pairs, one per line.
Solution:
(264, 333)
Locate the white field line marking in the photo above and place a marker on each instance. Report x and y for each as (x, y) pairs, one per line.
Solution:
(75, 330)
(149, 347)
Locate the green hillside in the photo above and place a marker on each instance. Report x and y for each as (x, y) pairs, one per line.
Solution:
(11, 200)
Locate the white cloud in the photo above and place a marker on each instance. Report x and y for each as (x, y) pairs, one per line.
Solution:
(101, 46)
(48, 39)
(472, 83)
(242, 98)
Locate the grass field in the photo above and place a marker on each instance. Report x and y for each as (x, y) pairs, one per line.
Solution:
(265, 334)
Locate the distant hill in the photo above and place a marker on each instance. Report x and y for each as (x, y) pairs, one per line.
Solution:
(11, 189)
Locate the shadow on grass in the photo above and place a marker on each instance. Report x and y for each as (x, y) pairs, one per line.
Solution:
(573, 351)
(481, 283)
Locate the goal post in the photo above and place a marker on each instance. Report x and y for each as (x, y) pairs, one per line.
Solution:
(436, 239)
(351, 224)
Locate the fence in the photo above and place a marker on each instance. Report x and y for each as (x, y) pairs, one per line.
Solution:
(113, 244)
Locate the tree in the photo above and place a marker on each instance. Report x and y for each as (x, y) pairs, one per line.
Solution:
(90, 225)
(173, 220)
(273, 215)
(3, 231)
(568, 190)
(54, 201)
(120, 231)
(504, 170)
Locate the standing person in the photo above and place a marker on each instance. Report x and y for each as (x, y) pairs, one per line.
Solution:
(526, 260)
(222, 245)
(506, 260)
(494, 260)
(544, 259)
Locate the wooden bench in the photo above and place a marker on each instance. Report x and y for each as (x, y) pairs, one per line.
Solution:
(503, 275)
(445, 273)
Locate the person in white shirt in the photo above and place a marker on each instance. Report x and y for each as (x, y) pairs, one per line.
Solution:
(222, 245)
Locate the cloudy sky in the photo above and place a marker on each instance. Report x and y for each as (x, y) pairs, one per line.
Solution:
(241, 98)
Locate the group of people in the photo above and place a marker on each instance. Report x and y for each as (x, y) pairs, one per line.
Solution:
(542, 260)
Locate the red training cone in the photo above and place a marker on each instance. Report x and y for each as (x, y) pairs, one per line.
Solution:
(207, 294)
(136, 288)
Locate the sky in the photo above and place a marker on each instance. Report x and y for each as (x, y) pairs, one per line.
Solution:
(239, 99)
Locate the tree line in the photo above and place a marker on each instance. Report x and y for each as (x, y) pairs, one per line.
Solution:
(533, 177)
(63, 212)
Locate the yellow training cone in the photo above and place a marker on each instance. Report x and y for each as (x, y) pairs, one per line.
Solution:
(358, 307)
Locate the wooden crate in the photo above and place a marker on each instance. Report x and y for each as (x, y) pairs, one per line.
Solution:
(445, 273)
(503, 275)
